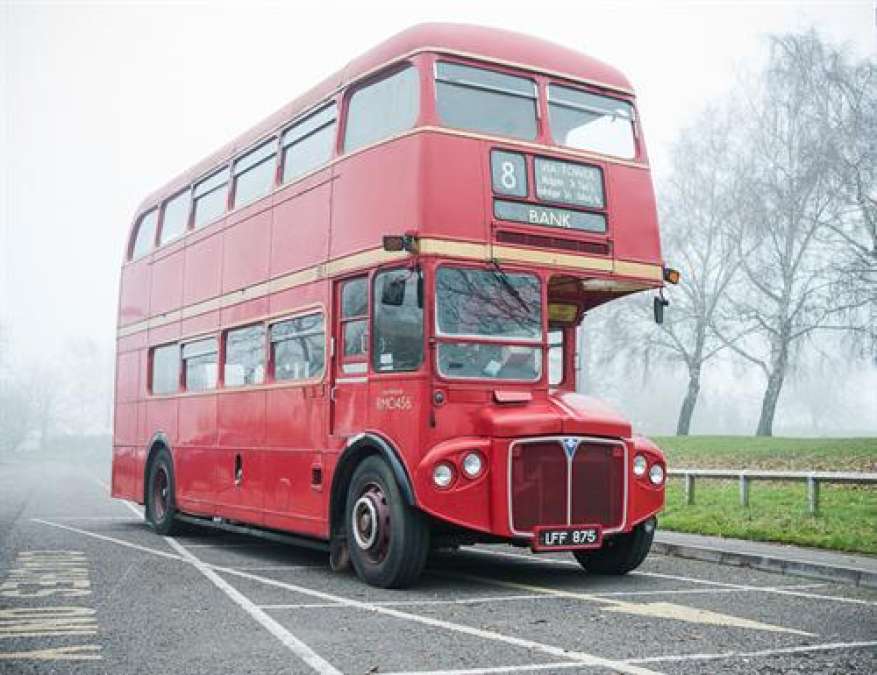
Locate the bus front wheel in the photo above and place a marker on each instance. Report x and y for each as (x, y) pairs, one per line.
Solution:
(622, 553)
(160, 502)
(388, 539)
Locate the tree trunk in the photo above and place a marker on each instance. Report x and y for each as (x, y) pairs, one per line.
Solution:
(683, 425)
(774, 387)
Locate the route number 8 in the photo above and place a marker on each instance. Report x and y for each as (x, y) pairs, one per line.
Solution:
(508, 178)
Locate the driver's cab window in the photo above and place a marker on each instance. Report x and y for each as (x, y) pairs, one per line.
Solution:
(354, 326)
(555, 357)
(397, 342)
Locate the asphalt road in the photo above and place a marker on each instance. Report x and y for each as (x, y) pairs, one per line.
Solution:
(86, 587)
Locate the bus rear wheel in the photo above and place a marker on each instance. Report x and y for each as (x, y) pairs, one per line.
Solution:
(160, 503)
(388, 539)
(622, 553)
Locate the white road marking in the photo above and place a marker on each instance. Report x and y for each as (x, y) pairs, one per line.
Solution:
(411, 603)
(778, 590)
(581, 658)
(804, 649)
(656, 610)
(291, 642)
(276, 567)
(296, 646)
(779, 651)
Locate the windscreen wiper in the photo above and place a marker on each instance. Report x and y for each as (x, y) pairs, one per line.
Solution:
(504, 280)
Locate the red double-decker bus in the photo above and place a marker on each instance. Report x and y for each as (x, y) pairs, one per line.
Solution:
(355, 323)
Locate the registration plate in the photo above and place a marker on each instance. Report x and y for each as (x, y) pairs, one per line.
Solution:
(567, 538)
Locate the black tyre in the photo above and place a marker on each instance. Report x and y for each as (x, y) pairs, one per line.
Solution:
(160, 502)
(388, 539)
(622, 553)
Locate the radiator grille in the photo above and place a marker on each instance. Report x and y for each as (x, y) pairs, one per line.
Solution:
(548, 486)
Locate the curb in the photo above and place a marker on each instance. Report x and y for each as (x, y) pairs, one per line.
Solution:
(791, 567)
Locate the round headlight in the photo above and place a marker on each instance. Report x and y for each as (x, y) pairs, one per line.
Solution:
(442, 475)
(640, 465)
(656, 474)
(473, 464)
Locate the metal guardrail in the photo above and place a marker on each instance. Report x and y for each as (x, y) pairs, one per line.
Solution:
(746, 476)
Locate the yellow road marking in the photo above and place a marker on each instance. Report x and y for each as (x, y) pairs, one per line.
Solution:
(657, 610)
(75, 653)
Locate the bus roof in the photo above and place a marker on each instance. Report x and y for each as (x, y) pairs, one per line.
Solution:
(477, 41)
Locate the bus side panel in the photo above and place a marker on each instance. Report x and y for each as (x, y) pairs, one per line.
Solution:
(296, 431)
(453, 186)
(240, 442)
(134, 292)
(633, 215)
(375, 194)
(300, 230)
(194, 451)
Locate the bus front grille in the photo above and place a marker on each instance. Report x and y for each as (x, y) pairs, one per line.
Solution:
(567, 480)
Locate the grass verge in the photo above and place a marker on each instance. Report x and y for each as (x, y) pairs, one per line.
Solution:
(777, 511)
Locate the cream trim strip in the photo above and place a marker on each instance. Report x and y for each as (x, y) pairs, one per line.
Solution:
(378, 256)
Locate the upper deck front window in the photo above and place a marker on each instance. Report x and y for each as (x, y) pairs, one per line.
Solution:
(485, 100)
(587, 121)
(491, 309)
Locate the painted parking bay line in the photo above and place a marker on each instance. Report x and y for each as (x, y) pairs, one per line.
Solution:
(654, 610)
(578, 658)
(778, 590)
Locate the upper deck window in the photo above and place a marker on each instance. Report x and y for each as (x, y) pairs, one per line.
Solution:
(587, 121)
(254, 174)
(210, 196)
(484, 100)
(308, 144)
(145, 239)
(382, 109)
(176, 217)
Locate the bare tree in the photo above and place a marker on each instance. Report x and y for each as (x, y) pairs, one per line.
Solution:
(789, 205)
(697, 203)
(851, 118)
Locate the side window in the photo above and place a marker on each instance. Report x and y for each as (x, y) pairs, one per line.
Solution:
(254, 174)
(166, 369)
(298, 347)
(354, 325)
(308, 144)
(397, 342)
(199, 364)
(145, 237)
(555, 357)
(210, 196)
(244, 356)
(382, 109)
(176, 217)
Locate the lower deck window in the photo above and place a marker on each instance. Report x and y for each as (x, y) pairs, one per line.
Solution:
(200, 364)
(299, 348)
(166, 369)
(244, 356)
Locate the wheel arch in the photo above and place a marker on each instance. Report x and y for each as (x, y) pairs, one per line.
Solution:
(358, 448)
(158, 442)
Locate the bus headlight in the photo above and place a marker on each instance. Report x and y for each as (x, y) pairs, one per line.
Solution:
(640, 465)
(473, 464)
(656, 474)
(443, 475)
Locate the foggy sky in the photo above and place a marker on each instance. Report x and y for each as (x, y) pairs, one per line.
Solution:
(102, 103)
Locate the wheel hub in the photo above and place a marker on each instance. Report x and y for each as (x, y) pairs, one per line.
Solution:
(370, 523)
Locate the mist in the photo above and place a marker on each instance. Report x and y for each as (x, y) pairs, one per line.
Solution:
(103, 103)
